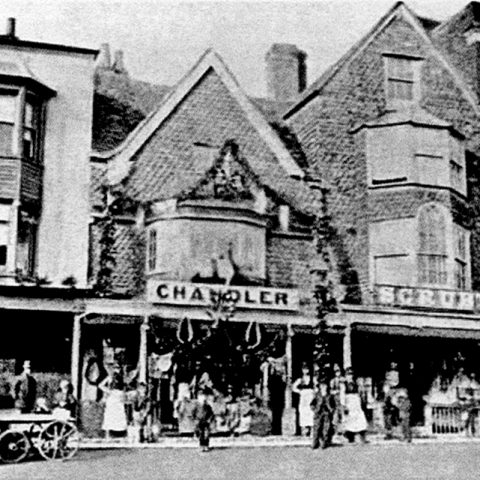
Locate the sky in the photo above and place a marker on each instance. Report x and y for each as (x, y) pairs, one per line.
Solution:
(161, 40)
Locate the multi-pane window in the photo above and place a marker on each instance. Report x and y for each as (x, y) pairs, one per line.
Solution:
(30, 129)
(8, 101)
(26, 244)
(457, 166)
(152, 249)
(460, 258)
(400, 78)
(432, 252)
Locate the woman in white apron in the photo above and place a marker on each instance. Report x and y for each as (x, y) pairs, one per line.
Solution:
(354, 421)
(114, 417)
(304, 387)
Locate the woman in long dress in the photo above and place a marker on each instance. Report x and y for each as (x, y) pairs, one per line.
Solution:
(114, 417)
(304, 387)
(354, 420)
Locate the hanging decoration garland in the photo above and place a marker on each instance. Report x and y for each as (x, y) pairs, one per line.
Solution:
(189, 331)
(248, 336)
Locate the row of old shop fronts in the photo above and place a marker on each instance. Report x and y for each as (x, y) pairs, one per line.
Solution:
(250, 358)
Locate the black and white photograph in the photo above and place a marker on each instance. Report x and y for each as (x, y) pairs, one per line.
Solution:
(239, 240)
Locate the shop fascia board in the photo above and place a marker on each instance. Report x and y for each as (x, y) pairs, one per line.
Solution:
(143, 308)
(42, 304)
(414, 319)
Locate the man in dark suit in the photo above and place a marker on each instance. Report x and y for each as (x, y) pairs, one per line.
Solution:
(26, 389)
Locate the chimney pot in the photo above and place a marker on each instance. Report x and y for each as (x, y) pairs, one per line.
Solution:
(104, 60)
(286, 71)
(118, 64)
(11, 27)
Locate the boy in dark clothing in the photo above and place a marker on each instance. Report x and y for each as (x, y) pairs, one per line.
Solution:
(203, 417)
(404, 411)
(323, 406)
(141, 409)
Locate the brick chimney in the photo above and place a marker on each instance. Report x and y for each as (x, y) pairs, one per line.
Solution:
(104, 61)
(286, 71)
(118, 65)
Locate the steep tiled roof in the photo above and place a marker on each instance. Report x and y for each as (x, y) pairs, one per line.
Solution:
(423, 30)
(120, 103)
(98, 180)
(166, 165)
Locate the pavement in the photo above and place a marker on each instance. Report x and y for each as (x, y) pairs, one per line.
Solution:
(250, 441)
(389, 460)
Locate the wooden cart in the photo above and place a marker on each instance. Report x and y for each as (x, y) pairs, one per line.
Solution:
(53, 436)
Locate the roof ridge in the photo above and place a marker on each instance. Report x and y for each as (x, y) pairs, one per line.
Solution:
(412, 18)
(209, 60)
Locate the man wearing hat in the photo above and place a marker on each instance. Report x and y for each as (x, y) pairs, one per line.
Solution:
(203, 416)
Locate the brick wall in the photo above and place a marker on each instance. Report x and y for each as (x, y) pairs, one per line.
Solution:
(356, 93)
(288, 263)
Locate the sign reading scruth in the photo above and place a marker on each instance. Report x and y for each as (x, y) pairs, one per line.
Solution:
(201, 294)
(427, 298)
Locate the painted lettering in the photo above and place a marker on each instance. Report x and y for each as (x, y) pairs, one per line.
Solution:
(179, 292)
(386, 295)
(465, 301)
(197, 295)
(247, 297)
(405, 296)
(162, 291)
(264, 298)
(426, 298)
(281, 298)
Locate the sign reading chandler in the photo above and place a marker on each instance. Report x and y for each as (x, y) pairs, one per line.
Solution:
(201, 294)
(427, 298)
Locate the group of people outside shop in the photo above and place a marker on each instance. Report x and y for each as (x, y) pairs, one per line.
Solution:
(328, 406)
(24, 396)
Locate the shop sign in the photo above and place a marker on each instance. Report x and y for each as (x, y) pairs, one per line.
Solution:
(199, 294)
(427, 298)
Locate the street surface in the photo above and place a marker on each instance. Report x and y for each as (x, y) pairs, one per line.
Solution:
(398, 462)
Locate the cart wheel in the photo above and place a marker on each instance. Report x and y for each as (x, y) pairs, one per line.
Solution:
(14, 446)
(58, 441)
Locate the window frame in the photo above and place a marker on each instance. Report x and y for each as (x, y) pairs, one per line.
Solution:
(152, 240)
(13, 93)
(432, 260)
(393, 79)
(460, 262)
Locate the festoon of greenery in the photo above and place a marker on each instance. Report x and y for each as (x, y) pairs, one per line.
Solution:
(104, 281)
(323, 294)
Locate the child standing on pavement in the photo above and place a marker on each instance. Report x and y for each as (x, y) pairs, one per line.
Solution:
(141, 409)
(203, 417)
(404, 410)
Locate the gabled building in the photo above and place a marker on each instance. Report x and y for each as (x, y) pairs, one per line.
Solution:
(395, 123)
(362, 186)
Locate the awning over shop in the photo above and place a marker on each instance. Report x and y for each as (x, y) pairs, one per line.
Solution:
(400, 330)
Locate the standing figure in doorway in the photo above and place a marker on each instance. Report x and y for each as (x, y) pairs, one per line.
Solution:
(114, 418)
(26, 389)
(354, 421)
(303, 386)
(203, 417)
